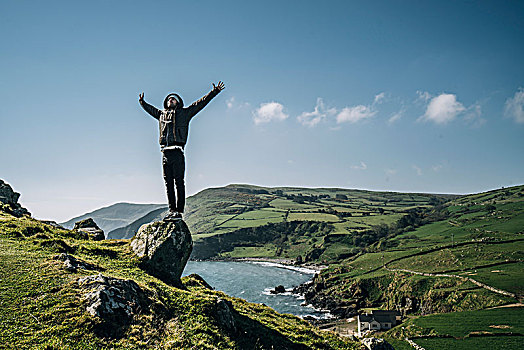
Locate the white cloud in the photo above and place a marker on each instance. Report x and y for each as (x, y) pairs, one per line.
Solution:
(267, 112)
(355, 114)
(362, 166)
(436, 167)
(390, 172)
(473, 115)
(395, 117)
(379, 98)
(514, 107)
(423, 96)
(418, 170)
(442, 109)
(232, 103)
(319, 114)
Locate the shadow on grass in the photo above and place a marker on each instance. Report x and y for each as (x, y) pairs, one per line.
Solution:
(252, 334)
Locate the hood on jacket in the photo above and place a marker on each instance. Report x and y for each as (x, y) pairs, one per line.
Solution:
(180, 103)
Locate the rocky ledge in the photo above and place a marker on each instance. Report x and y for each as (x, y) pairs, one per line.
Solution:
(9, 201)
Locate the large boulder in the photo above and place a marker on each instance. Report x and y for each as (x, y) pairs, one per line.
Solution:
(9, 201)
(90, 229)
(224, 315)
(113, 301)
(164, 247)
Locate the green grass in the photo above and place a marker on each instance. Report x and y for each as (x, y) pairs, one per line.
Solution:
(238, 223)
(286, 204)
(313, 217)
(266, 251)
(235, 207)
(474, 321)
(465, 258)
(499, 343)
(509, 277)
(41, 305)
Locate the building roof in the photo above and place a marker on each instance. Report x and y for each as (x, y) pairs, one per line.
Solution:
(385, 312)
(380, 317)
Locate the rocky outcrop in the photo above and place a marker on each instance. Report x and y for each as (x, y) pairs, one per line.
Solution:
(376, 344)
(9, 201)
(315, 293)
(72, 264)
(90, 229)
(225, 310)
(114, 302)
(164, 247)
(278, 289)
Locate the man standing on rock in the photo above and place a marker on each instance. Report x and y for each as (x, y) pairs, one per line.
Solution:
(174, 127)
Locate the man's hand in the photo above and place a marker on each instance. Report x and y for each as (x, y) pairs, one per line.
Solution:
(220, 86)
(141, 97)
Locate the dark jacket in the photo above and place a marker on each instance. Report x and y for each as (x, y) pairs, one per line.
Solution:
(174, 123)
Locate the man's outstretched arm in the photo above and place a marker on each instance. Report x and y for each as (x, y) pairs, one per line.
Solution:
(197, 106)
(153, 111)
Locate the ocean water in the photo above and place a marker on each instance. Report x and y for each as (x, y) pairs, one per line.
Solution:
(252, 281)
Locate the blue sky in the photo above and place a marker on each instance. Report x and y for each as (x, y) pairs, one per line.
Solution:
(418, 96)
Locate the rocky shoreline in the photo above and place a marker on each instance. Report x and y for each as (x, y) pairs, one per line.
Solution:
(313, 293)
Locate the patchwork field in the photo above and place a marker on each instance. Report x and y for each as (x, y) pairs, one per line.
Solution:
(500, 328)
(348, 213)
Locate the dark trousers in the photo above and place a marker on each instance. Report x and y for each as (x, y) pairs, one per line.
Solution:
(173, 165)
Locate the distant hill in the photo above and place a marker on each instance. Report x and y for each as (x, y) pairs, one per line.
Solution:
(129, 231)
(115, 216)
(308, 224)
(284, 222)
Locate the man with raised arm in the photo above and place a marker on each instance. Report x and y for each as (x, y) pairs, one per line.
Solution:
(174, 127)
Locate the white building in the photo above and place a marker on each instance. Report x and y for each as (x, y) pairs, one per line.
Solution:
(377, 320)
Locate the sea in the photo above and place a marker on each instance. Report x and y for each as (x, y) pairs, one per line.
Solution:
(253, 281)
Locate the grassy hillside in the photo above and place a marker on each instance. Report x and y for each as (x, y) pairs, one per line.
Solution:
(42, 305)
(230, 212)
(501, 328)
(470, 259)
(482, 236)
(221, 210)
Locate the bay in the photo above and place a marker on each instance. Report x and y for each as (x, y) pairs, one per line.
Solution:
(253, 281)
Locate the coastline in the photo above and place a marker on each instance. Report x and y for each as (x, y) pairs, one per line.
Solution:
(281, 263)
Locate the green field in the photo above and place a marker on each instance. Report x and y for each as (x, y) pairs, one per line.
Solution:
(501, 320)
(499, 343)
(480, 237)
(500, 328)
(349, 212)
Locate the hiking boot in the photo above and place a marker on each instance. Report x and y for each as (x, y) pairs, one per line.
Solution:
(173, 216)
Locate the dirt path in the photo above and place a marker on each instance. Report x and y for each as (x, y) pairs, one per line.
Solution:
(430, 274)
(508, 305)
(480, 284)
